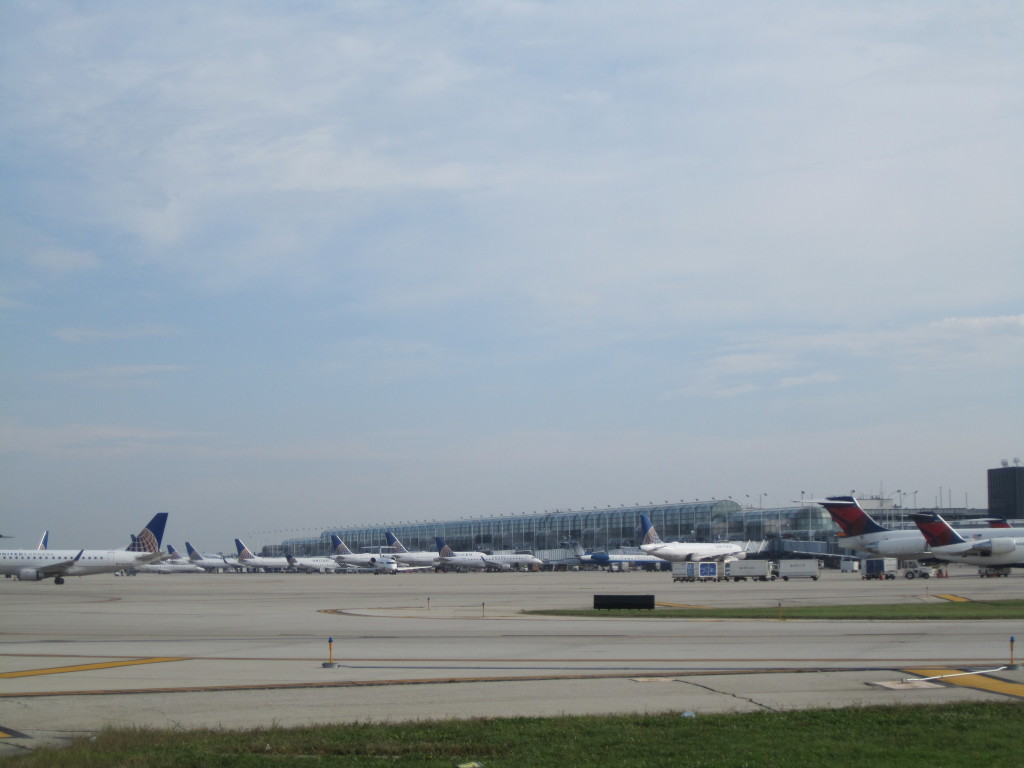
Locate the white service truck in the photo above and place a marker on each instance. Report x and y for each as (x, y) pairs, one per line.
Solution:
(755, 570)
(881, 568)
(799, 569)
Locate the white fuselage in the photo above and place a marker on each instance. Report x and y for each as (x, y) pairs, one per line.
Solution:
(1006, 551)
(472, 560)
(315, 564)
(210, 563)
(677, 551)
(23, 562)
(910, 544)
(482, 561)
(415, 558)
(266, 563)
(512, 561)
(179, 566)
(363, 560)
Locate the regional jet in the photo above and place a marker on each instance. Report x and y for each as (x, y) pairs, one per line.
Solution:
(946, 544)
(403, 555)
(861, 533)
(345, 556)
(481, 561)
(246, 559)
(677, 551)
(607, 559)
(313, 564)
(204, 562)
(39, 564)
(172, 563)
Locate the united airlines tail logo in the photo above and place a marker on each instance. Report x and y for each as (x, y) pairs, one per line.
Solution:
(446, 551)
(144, 542)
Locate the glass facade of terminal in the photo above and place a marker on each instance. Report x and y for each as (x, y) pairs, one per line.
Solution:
(597, 529)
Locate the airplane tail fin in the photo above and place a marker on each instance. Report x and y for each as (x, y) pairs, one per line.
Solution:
(340, 547)
(393, 542)
(936, 531)
(577, 549)
(244, 553)
(150, 537)
(44, 541)
(192, 553)
(849, 516)
(443, 550)
(650, 532)
(173, 554)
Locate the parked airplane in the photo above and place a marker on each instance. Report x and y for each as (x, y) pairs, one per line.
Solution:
(947, 544)
(676, 551)
(313, 564)
(403, 555)
(861, 533)
(246, 559)
(606, 559)
(39, 564)
(345, 556)
(173, 562)
(206, 563)
(481, 561)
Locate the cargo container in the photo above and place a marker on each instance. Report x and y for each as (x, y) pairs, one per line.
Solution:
(699, 571)
(799, 569)
(849, 566)
(756, 570)
(879, 568)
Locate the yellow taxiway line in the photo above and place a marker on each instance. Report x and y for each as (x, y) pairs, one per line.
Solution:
(966, 679)
(88, 667)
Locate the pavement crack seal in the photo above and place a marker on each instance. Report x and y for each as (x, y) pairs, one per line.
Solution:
(709, 689)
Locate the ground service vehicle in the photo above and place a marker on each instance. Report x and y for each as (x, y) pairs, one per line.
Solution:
(702, 570)
(987, 572)
(799, 569)
(755, 570)
(879, 568)
(917, 571)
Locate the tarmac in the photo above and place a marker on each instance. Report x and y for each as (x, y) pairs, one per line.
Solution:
(244, 651)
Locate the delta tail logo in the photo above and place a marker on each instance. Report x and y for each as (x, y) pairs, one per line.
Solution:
(849, 516)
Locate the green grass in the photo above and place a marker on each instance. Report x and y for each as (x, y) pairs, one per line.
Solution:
(996, 609)
(941, 736)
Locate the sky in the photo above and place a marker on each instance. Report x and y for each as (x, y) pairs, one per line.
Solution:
(273, 267)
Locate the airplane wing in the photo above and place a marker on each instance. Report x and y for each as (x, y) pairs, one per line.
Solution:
(61, 568)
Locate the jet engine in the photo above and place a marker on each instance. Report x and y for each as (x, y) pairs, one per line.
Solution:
(995, 546)
(30, 574)
(897, 547)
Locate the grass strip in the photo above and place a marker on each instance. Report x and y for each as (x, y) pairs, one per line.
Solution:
(996, 609)
(950, 736)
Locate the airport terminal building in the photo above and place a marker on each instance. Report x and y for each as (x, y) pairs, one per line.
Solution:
(805, 528)
(550, 535)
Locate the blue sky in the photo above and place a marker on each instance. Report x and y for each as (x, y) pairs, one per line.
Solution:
(272, 267)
